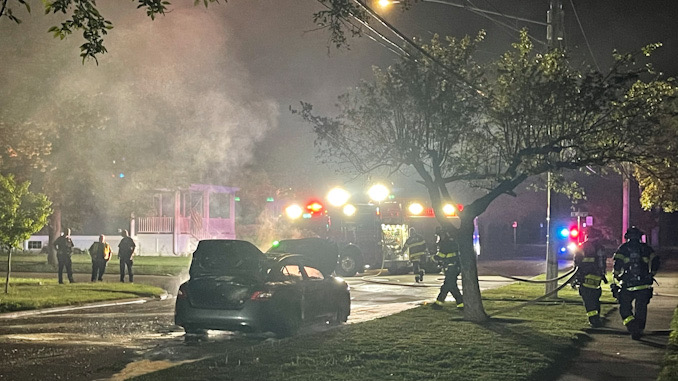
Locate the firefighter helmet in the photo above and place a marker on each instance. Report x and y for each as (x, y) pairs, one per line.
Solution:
(633, 233)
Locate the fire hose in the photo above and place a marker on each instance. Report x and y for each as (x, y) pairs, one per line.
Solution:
(537, 300)
(370, 278)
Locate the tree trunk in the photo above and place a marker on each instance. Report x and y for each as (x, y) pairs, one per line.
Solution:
(54, 231)
(9, 269)
(473, 302)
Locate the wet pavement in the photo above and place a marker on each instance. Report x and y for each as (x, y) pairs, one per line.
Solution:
(612, 355)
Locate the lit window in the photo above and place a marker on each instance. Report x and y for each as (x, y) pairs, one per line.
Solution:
(313, 273)
(291, 271)
(34, 245)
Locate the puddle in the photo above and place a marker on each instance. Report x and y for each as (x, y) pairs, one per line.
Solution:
(139, 368)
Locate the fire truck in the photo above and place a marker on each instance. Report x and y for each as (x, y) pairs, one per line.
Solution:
(369, 235)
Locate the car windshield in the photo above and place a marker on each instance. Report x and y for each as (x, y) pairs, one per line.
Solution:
(323, 253)
(224, 259)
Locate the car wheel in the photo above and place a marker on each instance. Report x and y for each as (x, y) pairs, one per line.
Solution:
(193, 330)
(289, 323)
(349, 261)
(342, 314)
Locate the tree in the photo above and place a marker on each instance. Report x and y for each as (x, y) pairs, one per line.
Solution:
(22, 213)
(659, 181)
(83, 15)
(492, 128)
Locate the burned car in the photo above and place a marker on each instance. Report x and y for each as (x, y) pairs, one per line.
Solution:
(234, 286)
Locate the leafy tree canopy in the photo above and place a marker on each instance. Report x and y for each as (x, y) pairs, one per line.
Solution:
(22, 212)
(83, 15)
(494, 126)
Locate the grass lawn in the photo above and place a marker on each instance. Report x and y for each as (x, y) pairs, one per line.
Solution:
(29, 294)
(670, 367)
(82, 263)
(531, 343)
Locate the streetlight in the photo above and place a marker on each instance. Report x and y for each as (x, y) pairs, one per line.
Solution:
(378, 192)
(386, 3)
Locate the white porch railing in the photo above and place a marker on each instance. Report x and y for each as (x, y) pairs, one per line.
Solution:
(200, 228)
(155, 225)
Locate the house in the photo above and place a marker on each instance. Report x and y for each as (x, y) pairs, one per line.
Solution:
(179, 219)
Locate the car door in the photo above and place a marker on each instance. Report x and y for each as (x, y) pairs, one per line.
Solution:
(317, 291)
(291, 291)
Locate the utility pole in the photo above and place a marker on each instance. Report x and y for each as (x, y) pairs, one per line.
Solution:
(555, 36)
(626, 187)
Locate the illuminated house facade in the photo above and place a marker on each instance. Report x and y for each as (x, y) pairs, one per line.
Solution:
(184, 217)
(180, 218)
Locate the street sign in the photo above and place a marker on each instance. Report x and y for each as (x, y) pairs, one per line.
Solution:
(579, 214)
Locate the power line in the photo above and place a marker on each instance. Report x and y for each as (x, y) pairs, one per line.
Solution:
(482, 13)
(418, 48)
(576, 16)
(392, 44)
(485, 11)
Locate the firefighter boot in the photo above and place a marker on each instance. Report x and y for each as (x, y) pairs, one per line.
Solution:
(595, 321)
(421, 275)
(635, 330)
(417, 279)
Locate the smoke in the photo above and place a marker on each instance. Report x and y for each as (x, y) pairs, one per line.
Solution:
(170, 104)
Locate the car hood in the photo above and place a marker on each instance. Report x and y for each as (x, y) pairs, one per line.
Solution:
(323, 253)
(228, 258)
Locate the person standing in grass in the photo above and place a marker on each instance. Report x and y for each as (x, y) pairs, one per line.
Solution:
(590, 261)
(64, 249)
(448, 255)
(100, 253)
(125, 253)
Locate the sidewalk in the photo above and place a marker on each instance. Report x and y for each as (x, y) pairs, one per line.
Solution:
(613, 355)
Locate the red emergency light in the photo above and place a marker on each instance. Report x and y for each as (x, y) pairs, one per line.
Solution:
(315, 207)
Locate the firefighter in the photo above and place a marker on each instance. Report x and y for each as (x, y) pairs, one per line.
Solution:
(448, 255)
(590, 261)
(635, 265)
(416, 244)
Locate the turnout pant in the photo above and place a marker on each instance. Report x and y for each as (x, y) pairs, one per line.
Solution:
(415, 267)
(634, 322)
(450, 285)
(98, 269)
(64, 261)
(591, 298)
(126, 263)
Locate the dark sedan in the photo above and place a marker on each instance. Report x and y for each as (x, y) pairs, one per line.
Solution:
(234, 286)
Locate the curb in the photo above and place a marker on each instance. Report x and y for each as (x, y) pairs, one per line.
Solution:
(42, 311)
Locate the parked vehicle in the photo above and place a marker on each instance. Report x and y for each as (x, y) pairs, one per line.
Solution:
(234, 286)
(370, 235)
